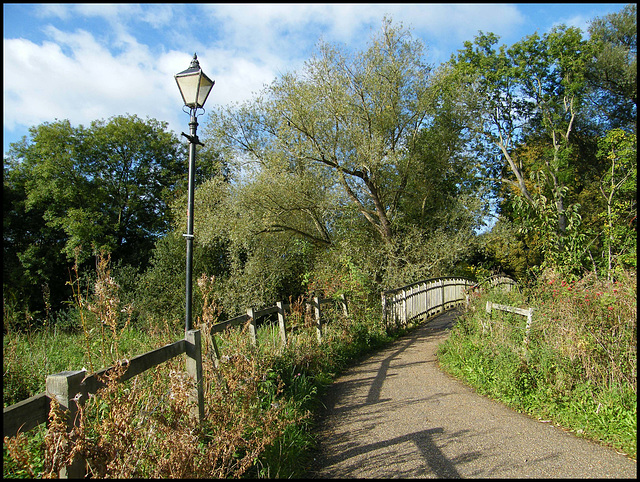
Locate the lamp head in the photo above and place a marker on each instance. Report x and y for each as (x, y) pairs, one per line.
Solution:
(194, 85)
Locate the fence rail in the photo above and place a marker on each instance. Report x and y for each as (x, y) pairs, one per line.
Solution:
(399, 306)
(252, 316)
(68, 386)
(528, 312)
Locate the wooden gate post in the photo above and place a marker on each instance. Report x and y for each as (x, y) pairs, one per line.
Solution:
(64, 387)
(345, 309)
(253, 330)
(194, 367)
(385, 320)
(282, 323)
(316, 306)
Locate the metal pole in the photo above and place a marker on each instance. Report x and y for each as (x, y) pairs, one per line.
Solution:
(193, 139)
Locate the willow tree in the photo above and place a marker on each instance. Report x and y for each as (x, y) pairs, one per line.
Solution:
(346, 120)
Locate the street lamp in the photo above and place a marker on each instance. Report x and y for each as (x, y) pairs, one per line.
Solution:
(194, 87)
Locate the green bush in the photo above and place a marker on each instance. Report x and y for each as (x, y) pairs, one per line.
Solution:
(579, 365)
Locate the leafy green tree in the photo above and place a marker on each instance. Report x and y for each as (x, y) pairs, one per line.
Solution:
(618, 187)
(612, 72)
(105, 187)
(536, 86)
(355, 157)
(531, 109)
(444, 168)
(348, 119)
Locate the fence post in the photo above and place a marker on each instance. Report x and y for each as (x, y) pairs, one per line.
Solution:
(194, 367)
(345, 309)
(215, 352)
(316, 306)
(385, 321)
(442, 289)
(526, 333)
(253, 332)
(64, 387)
(282, 323)
(404, 307)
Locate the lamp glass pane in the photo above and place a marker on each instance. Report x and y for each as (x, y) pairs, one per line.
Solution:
(205, 87)
(188, 85)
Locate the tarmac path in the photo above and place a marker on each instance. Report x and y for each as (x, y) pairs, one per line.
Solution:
(396, 414)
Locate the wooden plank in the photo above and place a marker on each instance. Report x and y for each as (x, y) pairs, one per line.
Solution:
(265, 312)
(282, 323)
(511, 309)
(137, 365)
(25, 415)
(253, 328)
(223, 325)
(193, 349)
(316, 307)
(64, 387)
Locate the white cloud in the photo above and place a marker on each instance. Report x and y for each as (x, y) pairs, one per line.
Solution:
(579, 21)
(57, 10)
(159, 16)
(463, 21)
(75, 76)
(127, 62)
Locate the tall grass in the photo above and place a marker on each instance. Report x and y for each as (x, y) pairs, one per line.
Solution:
(258, 400)
(578, 365)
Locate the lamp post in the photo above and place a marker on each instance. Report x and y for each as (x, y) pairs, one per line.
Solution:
(194, 87)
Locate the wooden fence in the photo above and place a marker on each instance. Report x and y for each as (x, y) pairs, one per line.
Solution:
(399, 306)
(69, 387)
(528, 312)
(504, 282)
(252, 316)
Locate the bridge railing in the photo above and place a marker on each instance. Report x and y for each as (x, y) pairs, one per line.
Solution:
(429, 297)
(422, 299)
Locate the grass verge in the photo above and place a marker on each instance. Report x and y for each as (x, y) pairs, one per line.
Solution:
(575, 367)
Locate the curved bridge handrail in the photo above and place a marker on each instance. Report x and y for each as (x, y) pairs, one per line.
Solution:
(422, 299)
(431, 296)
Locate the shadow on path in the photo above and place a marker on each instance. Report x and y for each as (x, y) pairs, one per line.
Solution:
(396, 414)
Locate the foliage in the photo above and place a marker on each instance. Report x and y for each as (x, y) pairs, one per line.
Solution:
(360, 172)
(613, 70)
(575, 366)
(618, 186)
(106, 186)
(257, 420)
(373, 104)
(542, 105)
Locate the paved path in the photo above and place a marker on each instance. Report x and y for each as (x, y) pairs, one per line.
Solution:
(397, 415)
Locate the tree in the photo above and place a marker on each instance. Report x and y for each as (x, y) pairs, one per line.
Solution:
(351, 121)
(105, 187)
(612, 72)
(535, 87)
(618, 187)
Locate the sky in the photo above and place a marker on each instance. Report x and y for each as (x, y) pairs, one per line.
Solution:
(85, 62)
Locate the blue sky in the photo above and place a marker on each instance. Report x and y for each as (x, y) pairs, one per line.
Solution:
(84, 62)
